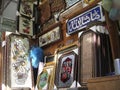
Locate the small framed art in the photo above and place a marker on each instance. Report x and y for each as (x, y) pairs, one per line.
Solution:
(51, 36)
(25, 26)
(45, 79)
(49, 60)
(26, 8)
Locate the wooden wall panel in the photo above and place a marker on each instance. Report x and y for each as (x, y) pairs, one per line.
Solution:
(65, 40)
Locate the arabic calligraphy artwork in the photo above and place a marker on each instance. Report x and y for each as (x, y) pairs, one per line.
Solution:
(20, 74)
(66, 70)
(81, 21)
(26, 8)
(25, 26)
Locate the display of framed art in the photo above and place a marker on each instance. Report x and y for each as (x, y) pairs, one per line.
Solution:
(49, 60)
(19, 71)
(25, 8)
(50, 37)
(25, 26)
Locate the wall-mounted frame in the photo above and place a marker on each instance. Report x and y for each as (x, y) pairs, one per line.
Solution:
(19, 71)
(61, 55)
(45, 79)
(51, 36)
(66, 70)
(25, 8)
(70, 3)
(49, 60)
(25, 25)
(48, 24)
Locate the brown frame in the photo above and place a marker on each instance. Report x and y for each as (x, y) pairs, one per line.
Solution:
(50, 36)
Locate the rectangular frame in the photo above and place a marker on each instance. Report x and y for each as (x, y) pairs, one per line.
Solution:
(49, 60)
(71, 53)
(19, 71)
(25, 25)
(47, 76)
(26, 8)
(51, 36)
(70, 3)
(83, 20)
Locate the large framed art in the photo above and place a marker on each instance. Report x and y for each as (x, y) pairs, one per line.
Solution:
(19, 71)
(66, 67)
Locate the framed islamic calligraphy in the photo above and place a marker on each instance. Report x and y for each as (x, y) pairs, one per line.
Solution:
(81, 21)
(66, 70)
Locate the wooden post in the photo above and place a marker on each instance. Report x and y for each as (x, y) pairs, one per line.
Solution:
(114, 36)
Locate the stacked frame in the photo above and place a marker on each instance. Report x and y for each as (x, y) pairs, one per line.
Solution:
(25, 23)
